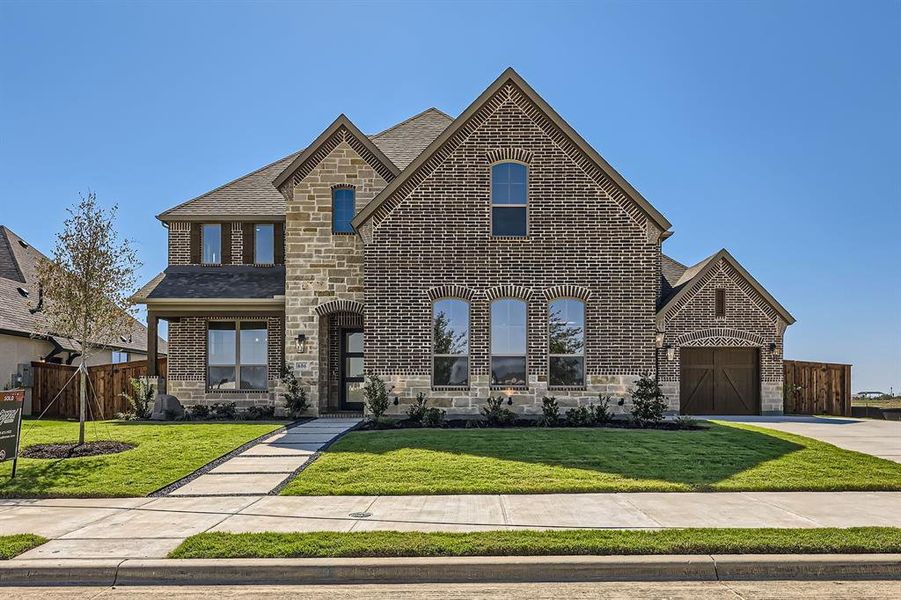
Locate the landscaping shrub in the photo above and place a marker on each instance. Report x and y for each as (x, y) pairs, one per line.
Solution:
(376, 397)
(199, 411)
(580, 416)
(417, 410)
(686, 422)
(648, 404)
(140, 399)
(496, 414)
(433, 417)
(296, 399)
(224, 410)
(600, 412)
(259, 413)
(550, 412)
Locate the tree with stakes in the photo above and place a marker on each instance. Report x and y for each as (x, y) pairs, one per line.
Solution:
(87, 285)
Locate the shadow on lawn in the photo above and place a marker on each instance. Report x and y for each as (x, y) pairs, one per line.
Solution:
(695, 458)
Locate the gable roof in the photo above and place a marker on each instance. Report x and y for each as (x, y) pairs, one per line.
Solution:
(685, 284)
(342, 126)
(18, 270)
(403, 142)
(507, 77)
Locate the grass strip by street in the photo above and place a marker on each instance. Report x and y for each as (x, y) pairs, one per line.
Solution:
(14, 545)
(541, 543)
(727, 457)
(163, 453)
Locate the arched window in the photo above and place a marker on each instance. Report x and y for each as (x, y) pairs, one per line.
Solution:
(566, 337)
(509, 199)
(508, 342)
(450, 342)
(342, 210)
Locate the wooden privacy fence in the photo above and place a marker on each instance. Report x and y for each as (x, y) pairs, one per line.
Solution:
(106, 385)
(813, 388)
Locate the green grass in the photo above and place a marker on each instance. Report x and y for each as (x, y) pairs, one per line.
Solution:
(14, 545)
(538, 543)
(164, 453)
(516, 461)
(881, 403)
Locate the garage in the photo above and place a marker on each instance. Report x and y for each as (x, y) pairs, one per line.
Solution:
(720, 381)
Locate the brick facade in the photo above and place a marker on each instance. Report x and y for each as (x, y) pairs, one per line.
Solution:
(749, 322)
(439, 235)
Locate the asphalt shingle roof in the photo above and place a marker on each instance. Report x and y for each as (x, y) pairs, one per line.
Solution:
(253, 194)
(227, 281)
(18, 269)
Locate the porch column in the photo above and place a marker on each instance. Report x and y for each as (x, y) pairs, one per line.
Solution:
(152, 323)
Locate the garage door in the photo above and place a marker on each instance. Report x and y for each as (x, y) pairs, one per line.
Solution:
(720, 381)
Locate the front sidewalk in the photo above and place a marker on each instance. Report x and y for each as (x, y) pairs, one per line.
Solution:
(136, 528)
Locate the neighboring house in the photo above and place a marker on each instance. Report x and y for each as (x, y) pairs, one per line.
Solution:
(492, 253)
(21, 324)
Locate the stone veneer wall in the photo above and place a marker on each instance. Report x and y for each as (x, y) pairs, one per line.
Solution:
(186, 365)
(320, 266)
(583, 238)
(749, 321)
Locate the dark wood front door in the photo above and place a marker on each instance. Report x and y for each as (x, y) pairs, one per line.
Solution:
(719, 381)
(352, 369)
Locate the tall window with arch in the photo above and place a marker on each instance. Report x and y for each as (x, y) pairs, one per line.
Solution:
(566, 341)
(450, 343)
(508, 343)
(509, 199)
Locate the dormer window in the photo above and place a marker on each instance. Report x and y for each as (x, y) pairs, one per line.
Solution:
(342, 210)
(211, 243)
(509, 202)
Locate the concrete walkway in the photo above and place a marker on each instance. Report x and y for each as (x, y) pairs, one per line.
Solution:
(151, 527)
(262, 468)
(870, 436)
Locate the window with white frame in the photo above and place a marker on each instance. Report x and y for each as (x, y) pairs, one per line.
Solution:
(566, 343)
(237, 355)
(509, 199)
(119, 357)
(450, 342)
(508, 342)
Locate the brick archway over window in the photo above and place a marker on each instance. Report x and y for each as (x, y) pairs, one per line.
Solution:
(567, 291)
(509, 291)
(450, 291)
(720, 336)
(335, 306)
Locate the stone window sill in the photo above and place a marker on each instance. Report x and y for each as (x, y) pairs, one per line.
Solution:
(515, 388)
(567, 388)
(450, 388)
(261, 392)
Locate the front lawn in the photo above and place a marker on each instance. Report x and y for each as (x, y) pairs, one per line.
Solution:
(14, 545)
(727, 457)
(540, 543)
(163, 453)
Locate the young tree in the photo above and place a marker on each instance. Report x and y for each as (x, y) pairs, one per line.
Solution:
(87, 284)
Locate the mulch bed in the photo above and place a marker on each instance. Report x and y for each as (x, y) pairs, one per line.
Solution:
(616, 423)
(56, 451)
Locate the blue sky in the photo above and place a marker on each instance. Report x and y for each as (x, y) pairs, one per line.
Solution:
(769, 128)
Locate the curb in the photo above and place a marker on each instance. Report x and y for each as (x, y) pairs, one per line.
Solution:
(470, 569)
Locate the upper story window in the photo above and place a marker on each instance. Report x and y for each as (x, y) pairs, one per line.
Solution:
(566, 342)
(264, 244)
(119, 357)
(450, 342)
(342, 210)
(508, 342)
(719, 304)
(211, 243)
(509, 202)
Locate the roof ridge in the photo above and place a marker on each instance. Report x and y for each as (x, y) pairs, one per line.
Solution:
(408, 119)
(233, 181)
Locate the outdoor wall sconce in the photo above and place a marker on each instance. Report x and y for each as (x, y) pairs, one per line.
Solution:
(670, 352)
(658, 338)
(396, 401)
(509, 401)
(772, 347)
(301, 342)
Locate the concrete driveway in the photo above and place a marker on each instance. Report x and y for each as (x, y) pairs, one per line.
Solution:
(870, 436)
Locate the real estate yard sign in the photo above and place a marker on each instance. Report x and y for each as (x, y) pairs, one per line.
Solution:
(11, 403)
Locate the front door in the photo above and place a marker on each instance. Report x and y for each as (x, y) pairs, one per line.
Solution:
(352, 369)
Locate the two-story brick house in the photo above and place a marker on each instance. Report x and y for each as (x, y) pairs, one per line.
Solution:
(494, 253)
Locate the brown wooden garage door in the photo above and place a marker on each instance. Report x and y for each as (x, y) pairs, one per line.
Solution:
(720, 381)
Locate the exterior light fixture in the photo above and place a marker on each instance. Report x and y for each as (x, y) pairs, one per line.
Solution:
(658, 338)
(772, 347)
(670, 352)
(301, 342)
(396, 401)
